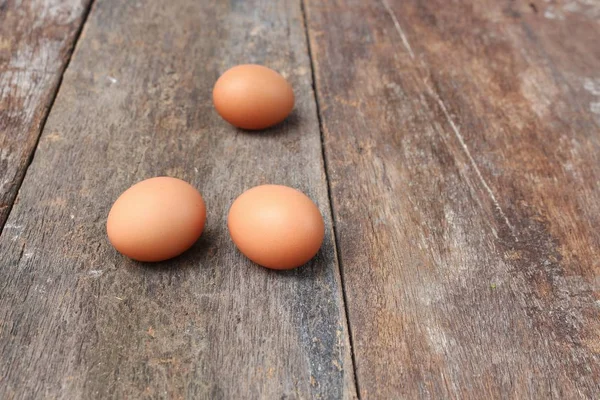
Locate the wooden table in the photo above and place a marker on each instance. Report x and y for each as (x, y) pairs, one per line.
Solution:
(453, 148)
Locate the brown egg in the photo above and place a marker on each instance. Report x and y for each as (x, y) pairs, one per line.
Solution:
(156, 219)
(276, 226)
(253, 97)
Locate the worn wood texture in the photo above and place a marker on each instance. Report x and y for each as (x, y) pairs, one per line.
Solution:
(36, 39)
(78, 320)
(462, 142)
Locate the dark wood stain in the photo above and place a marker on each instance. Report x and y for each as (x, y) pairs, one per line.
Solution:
(78, 320)
(462, 147)
(533, 7)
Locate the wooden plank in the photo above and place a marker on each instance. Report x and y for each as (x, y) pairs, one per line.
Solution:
(462, 141)
(36, 40)
(80, 321)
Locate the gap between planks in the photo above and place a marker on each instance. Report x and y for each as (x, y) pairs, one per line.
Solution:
(329, 197)
(53, 96)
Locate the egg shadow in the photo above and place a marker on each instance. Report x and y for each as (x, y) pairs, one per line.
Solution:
(291, 122)
(312, 269)
(194, 257)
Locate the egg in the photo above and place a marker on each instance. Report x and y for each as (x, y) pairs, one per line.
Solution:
(156, 219)
(276, 226)
(253, 97)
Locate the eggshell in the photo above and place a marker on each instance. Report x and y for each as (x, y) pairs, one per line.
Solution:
(276, 226)
(253, 97)
(156, 219)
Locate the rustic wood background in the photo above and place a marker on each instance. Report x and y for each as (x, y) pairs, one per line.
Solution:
(453, 148)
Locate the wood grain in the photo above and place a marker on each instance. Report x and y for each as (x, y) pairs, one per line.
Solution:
(78, 320)
(36, 40)
(462, 142)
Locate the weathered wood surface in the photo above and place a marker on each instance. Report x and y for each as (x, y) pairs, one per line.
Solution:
(77, 320)
(36, 40)
(462, 142)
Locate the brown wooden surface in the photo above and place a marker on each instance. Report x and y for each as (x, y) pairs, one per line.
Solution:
(36, 40)
(463, 150)
(78, 320)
